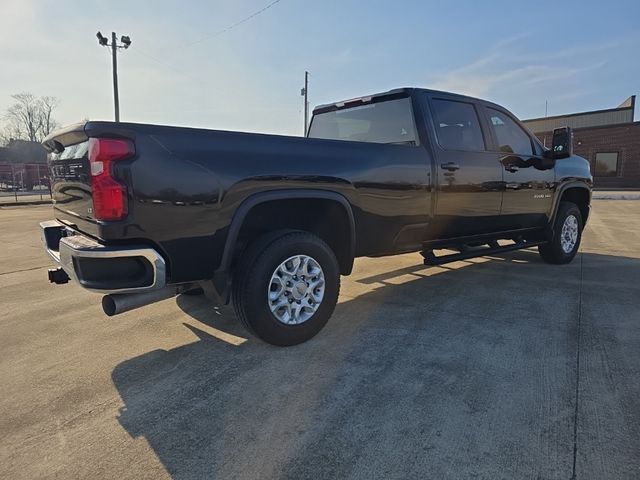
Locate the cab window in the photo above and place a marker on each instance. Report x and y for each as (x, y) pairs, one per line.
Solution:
(387, 121)
(457, 125)
(511, 137)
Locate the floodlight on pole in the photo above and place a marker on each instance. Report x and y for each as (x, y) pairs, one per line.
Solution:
(125, 41)
(102, 40)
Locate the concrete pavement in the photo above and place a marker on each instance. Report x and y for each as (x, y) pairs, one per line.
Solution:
(631, 194)
(500, 367)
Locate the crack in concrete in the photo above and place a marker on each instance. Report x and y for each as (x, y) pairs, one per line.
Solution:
(575, 413)
(24, 270)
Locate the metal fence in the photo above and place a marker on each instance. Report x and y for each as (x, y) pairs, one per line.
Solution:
(24, 182)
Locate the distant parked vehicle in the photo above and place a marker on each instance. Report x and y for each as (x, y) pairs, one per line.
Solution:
(144, 212)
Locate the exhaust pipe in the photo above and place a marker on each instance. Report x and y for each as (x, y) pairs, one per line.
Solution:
(116, 303)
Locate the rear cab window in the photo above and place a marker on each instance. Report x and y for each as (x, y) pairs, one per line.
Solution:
(386, 121)
(457, 125)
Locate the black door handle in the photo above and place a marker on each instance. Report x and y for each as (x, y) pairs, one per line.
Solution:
(450, 166)
(511, 168)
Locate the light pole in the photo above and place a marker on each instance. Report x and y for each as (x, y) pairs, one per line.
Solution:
(125, 43)
(305, 93)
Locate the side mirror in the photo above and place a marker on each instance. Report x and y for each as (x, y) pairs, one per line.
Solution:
(562, 143)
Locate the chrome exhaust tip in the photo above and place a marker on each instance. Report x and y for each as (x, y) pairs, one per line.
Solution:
(116, 303)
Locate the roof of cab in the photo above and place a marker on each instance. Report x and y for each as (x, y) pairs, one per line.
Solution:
(397, 92)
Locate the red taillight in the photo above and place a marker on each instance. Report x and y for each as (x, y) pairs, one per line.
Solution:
(109, 195)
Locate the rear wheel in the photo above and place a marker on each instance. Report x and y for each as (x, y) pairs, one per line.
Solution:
(567, 235)
(286, 287)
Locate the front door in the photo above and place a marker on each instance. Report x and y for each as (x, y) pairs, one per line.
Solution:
(468, 177)
(528, 177)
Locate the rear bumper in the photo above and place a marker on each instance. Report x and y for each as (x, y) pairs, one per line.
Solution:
(102, 268)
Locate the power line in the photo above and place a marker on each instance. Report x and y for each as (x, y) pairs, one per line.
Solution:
(220, 32)
(231, 27)
(178, 70)
(207, 37)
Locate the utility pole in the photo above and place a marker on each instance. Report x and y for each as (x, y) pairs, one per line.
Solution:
(305, 93)
(114, 68)
(126, 43)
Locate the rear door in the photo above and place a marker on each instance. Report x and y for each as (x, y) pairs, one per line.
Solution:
(528, 177)
(468, 177)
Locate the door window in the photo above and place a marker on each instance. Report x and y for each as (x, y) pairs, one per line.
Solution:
(457, 125)
(511, 137)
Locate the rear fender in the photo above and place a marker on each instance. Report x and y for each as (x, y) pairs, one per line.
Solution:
(222, 276)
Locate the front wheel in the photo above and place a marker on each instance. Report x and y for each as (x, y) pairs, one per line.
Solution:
(286, 287)
(566, 237)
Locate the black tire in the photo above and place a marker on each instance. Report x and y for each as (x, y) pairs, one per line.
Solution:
(252, 277)
(553, 252)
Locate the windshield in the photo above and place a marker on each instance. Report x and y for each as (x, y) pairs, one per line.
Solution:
(383, 122)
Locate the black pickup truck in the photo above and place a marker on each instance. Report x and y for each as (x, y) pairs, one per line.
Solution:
(146, 212)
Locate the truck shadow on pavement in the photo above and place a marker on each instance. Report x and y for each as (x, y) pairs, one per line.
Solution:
(445, 372)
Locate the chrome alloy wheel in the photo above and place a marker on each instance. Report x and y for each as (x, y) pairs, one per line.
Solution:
(296, 289)
(569, 234)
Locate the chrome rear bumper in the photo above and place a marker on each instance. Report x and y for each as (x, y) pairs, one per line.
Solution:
(102, 268)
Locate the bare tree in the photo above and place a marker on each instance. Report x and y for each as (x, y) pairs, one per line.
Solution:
(23, 116)
(7, 133)
(47, 123)
(29, 118)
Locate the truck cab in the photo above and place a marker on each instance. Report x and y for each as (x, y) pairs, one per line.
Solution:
(488, 173)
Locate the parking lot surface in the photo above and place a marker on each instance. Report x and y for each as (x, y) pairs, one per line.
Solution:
(501, 367)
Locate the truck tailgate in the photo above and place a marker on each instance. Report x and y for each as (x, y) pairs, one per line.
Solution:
(70, 171)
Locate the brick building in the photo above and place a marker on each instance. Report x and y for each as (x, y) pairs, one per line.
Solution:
(609, 139)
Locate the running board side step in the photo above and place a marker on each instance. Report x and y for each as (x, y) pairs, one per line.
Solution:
(431, 259)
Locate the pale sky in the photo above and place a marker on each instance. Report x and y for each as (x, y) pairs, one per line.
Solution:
(578, 55)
